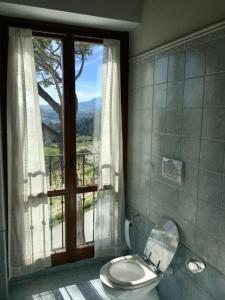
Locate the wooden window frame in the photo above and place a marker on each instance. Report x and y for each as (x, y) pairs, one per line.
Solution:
(68, 34)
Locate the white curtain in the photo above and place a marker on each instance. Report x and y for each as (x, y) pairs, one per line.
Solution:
(109, 209)
(29, 236)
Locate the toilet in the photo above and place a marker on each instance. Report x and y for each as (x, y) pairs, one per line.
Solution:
(133, 277)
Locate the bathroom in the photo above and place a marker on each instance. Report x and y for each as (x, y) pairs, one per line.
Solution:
(175, 109)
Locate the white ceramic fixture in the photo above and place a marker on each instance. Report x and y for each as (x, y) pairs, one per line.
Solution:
(133, 277)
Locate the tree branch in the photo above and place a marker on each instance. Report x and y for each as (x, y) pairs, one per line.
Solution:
(81, 67)
(51, 132)
(41, 61)
(56, 106)
(57, 79)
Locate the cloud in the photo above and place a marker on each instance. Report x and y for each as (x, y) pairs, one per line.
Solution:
(80, 85)
(90, 62)
(97, 49)
(84, 96)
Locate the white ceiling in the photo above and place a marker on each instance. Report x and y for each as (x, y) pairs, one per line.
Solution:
(52, 15)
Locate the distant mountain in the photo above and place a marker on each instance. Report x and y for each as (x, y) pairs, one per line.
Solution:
(48, 114)
(90, 106)
(85, 108)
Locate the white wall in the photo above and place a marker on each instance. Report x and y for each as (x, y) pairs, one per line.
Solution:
(166, 20)
(127, 10)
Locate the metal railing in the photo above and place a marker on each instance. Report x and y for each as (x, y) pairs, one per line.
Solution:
(87, 174)
(87, 169)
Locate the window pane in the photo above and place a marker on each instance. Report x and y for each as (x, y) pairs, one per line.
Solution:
(85, 218)
(88, 64)
(48, 58)
(57, 222)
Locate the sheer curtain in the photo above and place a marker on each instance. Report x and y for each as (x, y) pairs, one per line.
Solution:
(29, 236)
(109, 208)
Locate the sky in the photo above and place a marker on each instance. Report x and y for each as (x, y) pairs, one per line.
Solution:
(89, 84)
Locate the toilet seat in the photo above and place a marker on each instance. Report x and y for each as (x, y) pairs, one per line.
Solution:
(132, 277)
(128, 272)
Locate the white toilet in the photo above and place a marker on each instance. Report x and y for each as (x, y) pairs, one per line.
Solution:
(133, 277)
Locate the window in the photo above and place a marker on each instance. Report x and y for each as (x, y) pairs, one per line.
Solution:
(63, 139)
(69, 86)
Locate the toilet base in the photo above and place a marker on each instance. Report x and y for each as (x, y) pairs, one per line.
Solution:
(128, 295)
(153, 295)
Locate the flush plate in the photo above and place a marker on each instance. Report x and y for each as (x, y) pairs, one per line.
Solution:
(173, 169)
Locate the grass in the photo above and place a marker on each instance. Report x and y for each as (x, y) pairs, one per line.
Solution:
(58, 218)
(51, 150)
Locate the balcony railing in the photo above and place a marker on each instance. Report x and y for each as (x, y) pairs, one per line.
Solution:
(87, 175)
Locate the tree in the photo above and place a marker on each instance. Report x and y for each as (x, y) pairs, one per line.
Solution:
(48, 58)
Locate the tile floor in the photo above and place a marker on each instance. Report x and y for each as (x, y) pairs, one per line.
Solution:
(78, 283)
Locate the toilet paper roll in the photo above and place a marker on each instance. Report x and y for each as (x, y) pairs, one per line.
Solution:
(127, 232)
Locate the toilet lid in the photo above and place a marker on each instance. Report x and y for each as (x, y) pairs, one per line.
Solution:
(162, 243)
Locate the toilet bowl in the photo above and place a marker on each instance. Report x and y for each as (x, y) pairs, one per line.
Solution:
(134, 277)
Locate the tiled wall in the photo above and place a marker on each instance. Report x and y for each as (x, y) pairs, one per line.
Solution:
(177, 110)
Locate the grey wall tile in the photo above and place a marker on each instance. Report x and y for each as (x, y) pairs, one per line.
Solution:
(175, 94)
(160, 91)
(187, 232)
(211, 187)
(215, 56)
(191, 129)
(213, 126)
(158, 144)
(145, 144)
(173, 146)
(173, 121)
(184, 284)
(193, 92)
(180, 206)
(159, 117)
(146, 121)
(199, 293)
(214, 90)
(221, 230)
(135, 75)
(221, 257)
(180, 258)
(147, 69)
(176, 66)
(207, 246)
(170, 200)
(141, 188)
(192, 120)
(187, 207)
(161, 67)
(155, 213)
(190, 150)
(212, 282)
(190, 178)
(135, 98)
(146, 97)
(156, 167)
(208, 217)
(168, 290)
(195, 61)
(212, 155)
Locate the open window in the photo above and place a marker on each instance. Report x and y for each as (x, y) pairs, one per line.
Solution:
(78, 161)
(69, 63)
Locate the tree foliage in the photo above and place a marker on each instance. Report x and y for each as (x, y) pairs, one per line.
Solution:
(49, 68)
